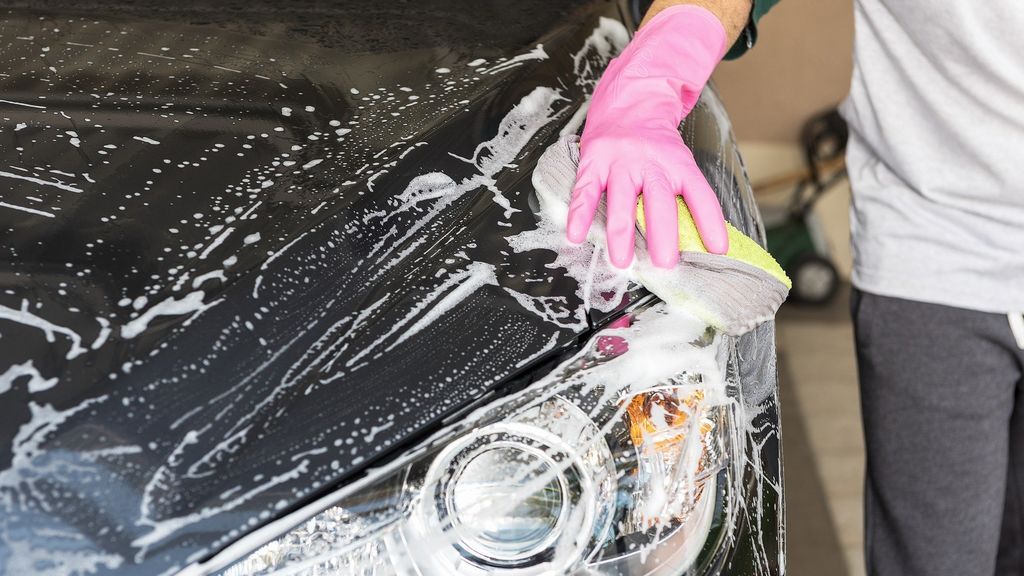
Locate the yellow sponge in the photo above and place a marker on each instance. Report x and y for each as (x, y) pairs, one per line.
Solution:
(741, 246)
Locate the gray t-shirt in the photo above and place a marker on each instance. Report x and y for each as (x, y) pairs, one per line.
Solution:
(936, 153)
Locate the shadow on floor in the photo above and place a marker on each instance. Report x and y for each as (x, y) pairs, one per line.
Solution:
(812, 544)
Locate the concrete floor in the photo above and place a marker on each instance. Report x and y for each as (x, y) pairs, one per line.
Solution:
(822, 440)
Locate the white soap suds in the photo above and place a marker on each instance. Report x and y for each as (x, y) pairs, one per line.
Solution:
(36, 382)
(49, 329)
(59, 185)
(172, 306)
(537, 53)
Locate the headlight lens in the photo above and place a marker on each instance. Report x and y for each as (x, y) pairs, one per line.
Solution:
(604, 467)
(492, 521)
(517, 493)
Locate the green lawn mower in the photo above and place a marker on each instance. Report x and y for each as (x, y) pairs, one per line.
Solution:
(795, 236)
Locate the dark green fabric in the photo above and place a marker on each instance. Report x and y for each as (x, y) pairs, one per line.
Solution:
(749, 35)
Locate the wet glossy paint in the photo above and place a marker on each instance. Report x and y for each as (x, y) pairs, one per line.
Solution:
(240, 269)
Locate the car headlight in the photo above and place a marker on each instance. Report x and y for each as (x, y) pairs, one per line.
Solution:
(615, 463)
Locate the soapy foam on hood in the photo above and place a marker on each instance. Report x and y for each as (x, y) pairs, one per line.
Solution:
(157, 517)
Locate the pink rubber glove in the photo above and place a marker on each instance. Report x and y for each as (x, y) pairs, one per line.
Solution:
(631, 141)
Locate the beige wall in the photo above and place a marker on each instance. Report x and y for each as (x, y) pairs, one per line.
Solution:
(800, 65)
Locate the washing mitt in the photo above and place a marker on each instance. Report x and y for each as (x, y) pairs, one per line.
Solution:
(733, 292)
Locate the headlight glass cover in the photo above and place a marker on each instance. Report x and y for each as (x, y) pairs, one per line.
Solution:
(619, 462)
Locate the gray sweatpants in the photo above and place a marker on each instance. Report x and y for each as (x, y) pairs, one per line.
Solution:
(941, 395)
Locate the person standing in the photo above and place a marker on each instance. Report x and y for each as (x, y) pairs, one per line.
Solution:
(936, 159)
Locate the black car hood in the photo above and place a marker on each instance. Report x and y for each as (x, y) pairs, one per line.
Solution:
(239, 269)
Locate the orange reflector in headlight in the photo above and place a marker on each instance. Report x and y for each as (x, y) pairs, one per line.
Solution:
(663, 416)
(671, 429)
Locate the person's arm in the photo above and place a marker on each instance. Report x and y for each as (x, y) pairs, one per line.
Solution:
(738, 17)
(733, 14)
(748, 37)
(631, 143)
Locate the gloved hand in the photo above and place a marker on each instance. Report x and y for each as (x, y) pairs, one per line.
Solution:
(631, 141)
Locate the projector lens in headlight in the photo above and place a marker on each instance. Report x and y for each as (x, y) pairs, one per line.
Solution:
(514, 532)
(589, 471)
(516, 494)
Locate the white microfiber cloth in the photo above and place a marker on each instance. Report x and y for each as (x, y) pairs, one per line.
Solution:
(733, 292)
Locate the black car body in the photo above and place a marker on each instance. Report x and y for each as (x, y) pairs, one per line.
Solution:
(256, 260)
